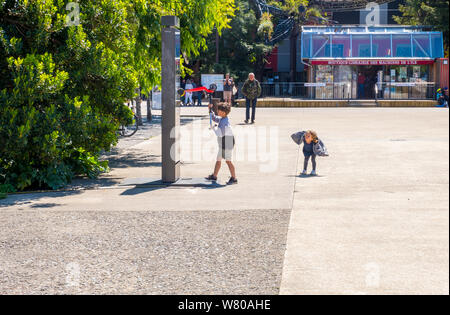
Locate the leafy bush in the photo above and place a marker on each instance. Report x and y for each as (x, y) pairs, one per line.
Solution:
(63, 88)
(5, 189)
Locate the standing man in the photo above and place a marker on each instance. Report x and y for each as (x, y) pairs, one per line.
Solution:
(228, 89)
(251, 91)
(361, 83)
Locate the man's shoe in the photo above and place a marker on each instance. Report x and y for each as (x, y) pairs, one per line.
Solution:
(253, 122)
(246, 121)
(313, 173)
(232, 181)
(304, 173)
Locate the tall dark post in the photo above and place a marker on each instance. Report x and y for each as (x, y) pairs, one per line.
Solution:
(170, 72)
(293, 52)
(217, 46)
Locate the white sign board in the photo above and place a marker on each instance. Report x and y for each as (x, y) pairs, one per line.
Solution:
(403, 84)
(315, 84)
(156, 100)
(217, 79)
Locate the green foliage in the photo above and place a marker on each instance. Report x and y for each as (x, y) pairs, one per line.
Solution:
(242, 46)
(292, 7)
(63, 88)
(427, 12)
(5, 189)
(266, 25)
(242, 49)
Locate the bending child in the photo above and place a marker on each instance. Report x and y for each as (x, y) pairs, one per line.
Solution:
(225, 140)
(312, 147)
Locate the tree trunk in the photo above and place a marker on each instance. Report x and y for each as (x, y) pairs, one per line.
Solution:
(217, 46)
(139, 108)
(149, 106)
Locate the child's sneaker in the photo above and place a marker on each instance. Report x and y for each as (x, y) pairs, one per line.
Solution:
(304, 172)
(232, 181)
(211, 177)
(313, 173)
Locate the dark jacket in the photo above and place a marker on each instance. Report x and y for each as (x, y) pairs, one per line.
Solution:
(251, 89)
(319, 147)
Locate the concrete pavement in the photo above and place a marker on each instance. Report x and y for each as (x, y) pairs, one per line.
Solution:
(375, 221)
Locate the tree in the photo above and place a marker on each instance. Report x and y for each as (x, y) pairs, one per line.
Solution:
(63, 86)
(241, 48)
(427, 12)
(301, 11)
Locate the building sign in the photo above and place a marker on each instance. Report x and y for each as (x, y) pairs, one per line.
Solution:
(362, 62)
(373, 17)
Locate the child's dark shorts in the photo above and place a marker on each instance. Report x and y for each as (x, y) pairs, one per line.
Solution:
(226, 146)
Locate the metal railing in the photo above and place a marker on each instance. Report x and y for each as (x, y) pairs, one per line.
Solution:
(347, 90)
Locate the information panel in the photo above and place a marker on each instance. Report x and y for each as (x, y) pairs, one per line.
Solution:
(217, 79)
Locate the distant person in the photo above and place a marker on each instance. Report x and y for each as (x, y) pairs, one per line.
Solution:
(361, 83)
(225, 140)
(439, 94)
(251, 91)
(312, 147)
(189, 86)
(183, 97)
(442, 97)
(199, 95)
(228, 85)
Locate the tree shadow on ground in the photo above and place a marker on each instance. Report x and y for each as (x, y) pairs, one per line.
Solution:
(133, 160)
(27, 200)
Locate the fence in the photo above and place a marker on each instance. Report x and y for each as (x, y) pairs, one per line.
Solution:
(347, 90)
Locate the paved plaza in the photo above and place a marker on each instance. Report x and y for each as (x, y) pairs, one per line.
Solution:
(375, 220)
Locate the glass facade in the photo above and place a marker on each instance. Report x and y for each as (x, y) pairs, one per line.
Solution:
(371, 62)
(392, 43)
(370, 82)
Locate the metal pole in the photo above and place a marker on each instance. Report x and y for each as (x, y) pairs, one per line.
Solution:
(170, 63)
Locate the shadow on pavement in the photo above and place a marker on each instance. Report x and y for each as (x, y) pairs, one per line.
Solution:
(133, 160)
(32, 197)
(145, 188)
(306, 176)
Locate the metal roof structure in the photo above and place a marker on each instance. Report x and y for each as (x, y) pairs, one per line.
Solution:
(286, 25)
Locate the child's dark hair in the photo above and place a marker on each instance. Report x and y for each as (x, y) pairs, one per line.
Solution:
(224, 107)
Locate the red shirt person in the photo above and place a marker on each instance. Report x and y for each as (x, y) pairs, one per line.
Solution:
(361, 82)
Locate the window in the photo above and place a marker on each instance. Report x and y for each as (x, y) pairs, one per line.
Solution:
(341, 46)
(437, 46)
(321, 46)
(421, 45)
(361, 46)
(381, 46)
(401, 45)
(306, 47)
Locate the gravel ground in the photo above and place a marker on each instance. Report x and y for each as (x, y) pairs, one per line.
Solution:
(208, 252)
